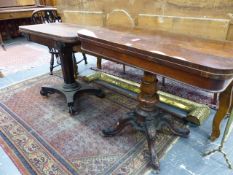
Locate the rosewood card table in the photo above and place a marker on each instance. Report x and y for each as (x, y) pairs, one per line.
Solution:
(63, 37)
(202, 63)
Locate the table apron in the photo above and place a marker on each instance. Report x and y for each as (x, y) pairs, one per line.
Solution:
(201, 81)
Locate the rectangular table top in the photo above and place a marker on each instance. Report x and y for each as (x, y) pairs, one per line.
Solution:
(210, 55)
(60, 32)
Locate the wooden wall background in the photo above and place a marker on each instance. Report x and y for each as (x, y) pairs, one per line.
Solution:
(204, 18)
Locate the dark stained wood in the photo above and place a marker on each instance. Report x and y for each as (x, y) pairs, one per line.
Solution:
(62, 37)
(206, 64)
(203, 63)
(55, 31)
(11, 17)
(1, 42)
(18, 12)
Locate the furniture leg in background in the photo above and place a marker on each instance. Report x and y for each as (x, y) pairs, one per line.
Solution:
(227, 132)
(50, 15)
(1, 42)
(225, 106)
(99, 64)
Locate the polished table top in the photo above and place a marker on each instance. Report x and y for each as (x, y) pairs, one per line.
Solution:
(61, 32)
(206, 58)
(161, 52)
(209, 55)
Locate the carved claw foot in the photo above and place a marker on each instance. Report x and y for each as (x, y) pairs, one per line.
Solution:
(168, 122)
(121, 124)
(46, 91)
(131, 120)
(150, 132)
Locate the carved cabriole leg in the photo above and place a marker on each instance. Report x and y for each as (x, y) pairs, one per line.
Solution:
(225, 104)
(99, 65)
(231, 106)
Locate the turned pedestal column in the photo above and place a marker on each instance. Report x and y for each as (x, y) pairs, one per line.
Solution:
(148, 118)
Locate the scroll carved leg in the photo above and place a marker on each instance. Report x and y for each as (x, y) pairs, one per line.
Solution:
(225, 105)
(150, 132)
(121, 124)
(167, 121)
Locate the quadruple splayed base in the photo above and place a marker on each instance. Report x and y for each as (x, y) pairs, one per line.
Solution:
(147, 118)
(71, 91)
(71, 88)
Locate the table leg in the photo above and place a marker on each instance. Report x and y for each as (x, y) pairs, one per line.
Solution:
(225, 105)
(1, 42)
(215, 98)
(70, 87)
(99, 63)
(147, 118)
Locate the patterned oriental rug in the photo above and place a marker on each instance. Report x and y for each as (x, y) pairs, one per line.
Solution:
(42, 138)
(171, 86)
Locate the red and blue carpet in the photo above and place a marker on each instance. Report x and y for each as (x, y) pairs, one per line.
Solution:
(42, 138)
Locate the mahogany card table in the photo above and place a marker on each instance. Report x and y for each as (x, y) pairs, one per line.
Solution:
(202, 63)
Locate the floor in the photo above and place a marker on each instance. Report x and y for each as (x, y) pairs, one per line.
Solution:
(183, 158)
